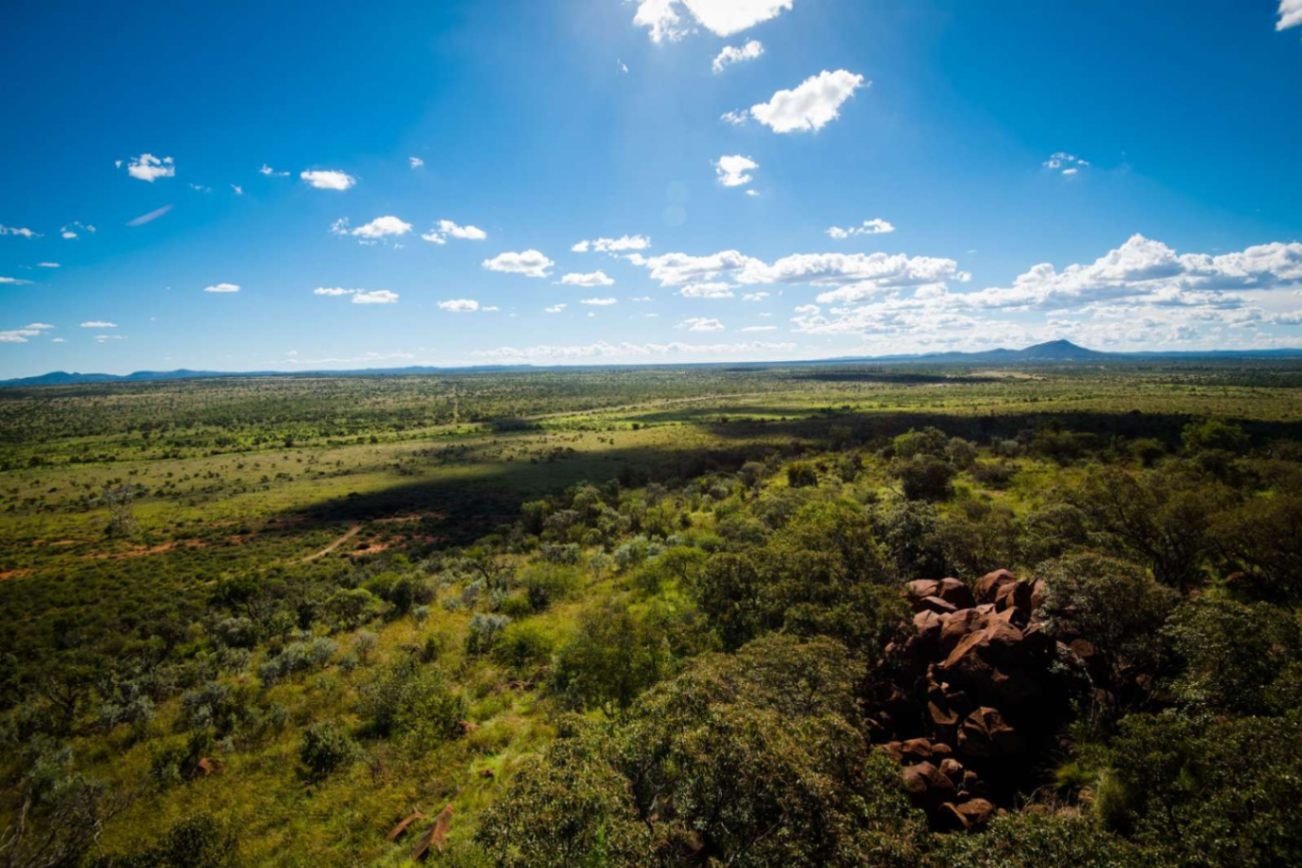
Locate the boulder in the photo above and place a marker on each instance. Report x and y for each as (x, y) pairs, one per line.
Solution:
(920, 589)
(987, 586)
(955, 591)
(985, 734)
(935, 604)
(975, 812)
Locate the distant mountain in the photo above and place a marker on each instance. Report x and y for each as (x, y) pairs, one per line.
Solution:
(1052, 352)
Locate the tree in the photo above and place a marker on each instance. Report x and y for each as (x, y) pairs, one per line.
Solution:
(748, 759)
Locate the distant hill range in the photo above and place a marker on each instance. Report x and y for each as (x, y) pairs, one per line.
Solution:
(1052, 352)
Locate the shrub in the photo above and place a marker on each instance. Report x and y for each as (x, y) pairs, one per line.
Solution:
(326, 747)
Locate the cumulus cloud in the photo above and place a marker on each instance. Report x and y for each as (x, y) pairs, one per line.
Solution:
(328, 179)
(70, 231)
(1068, 164)
(446, 229)
(589, 279)
(1290, 14)
(673, 19)
(675, 269)
(556, 308)
(359, 296)
(706, 290)
(99, 324)
(599, 302)
(733, 170)
(20, 231)
(222, 287)
(272, 173)
(876, 226)
(737, 54)
(604, 350)
(613, 246)
(530, 263)
(147, 167)
(701, 324)
(737, 118)
(762, 328)
(20, 336)
(755, 296)
(375, 296)
(811, 105)
(377, 230)
(459, 305)
(1148, 269)
(867, 273)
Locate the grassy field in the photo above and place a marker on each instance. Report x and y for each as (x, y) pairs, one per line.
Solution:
(131, 511)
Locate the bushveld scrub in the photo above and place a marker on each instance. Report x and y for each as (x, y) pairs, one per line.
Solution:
(654, 618)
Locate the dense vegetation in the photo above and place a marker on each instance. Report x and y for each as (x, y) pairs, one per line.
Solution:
(655, 617)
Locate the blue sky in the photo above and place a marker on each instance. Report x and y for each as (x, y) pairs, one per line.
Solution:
(246, 186)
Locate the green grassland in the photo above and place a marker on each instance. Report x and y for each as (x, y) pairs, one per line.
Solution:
(217, 567)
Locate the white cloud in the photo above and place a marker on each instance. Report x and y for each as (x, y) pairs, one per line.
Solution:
(755, 296)
(599, 302)
(68, 232)
(604, 350)
(811, 105)
(222, 287)
(147, 167)
(1149, 270)
(530, 263)
(200, 188)
(20, 231)
(1290, 14)
(328, 179)
(378, 229)
(1068, 164)
(334, 291)
(375, 296)
(446, 229)
(57, 341)
(675, 269)
(760, 329)
(237, 189)
(737, 118)
(612, 246)
(701, 324)
(556, 308)
(143, 218)
(706, 290)
(737, 54)
(103, 339)
(99, 324)
(459, 305)
(733, 170)
(20, 336)
(272, 173)
(13, 281)
(590, 279)
(876, 226)
(415, 162)
(673, 19)
(48, 265)
(867, 272)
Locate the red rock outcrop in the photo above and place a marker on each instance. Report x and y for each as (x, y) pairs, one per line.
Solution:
(969, 698)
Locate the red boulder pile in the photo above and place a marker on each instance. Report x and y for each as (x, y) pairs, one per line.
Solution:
(969, 702)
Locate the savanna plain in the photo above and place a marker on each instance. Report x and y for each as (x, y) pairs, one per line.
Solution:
(759, 615)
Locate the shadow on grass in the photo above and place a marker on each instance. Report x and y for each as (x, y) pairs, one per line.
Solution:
(470, 508)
